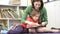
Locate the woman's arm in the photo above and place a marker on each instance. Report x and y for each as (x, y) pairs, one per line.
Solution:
(26, 12)
(45, 21)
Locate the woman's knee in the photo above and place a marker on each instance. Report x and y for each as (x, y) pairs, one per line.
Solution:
(41, 29)
(32, 30)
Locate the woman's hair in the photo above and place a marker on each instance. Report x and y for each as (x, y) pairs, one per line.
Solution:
(37, 1)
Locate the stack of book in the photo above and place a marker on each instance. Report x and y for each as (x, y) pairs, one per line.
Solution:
(8, 13)
(15, 2)
(21, 12)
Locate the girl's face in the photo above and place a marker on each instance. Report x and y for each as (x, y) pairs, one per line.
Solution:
(37, 5)
(36, 17)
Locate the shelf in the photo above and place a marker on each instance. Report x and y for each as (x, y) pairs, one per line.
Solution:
(22, 6)
(10, 18)
(9, 5)
(13, 6)
(15, 19)
(3, 18)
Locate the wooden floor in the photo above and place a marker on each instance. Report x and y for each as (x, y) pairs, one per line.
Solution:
(35, 33)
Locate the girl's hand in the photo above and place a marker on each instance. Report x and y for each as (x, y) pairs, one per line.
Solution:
(32, 25)
(35, 24)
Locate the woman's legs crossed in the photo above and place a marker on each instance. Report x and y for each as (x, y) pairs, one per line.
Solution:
(44, 29)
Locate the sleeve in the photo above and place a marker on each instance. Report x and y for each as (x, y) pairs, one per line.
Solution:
(26, 12)
(45, 15)
(29, 21)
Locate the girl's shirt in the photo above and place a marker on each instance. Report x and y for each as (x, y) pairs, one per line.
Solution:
(29, 21)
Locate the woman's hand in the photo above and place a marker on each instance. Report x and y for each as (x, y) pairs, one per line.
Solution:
(44, 23)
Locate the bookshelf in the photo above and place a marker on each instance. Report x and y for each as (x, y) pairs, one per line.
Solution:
(10, 14)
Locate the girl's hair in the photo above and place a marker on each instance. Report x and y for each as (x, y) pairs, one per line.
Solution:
(34, 13)
(37, 1)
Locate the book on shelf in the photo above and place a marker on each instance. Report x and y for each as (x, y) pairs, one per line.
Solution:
(11, 14)
(0, 13)
(15, 2)
(4, 25)
(14, 14)
(6, 13)
(13, 22)
(21, 12)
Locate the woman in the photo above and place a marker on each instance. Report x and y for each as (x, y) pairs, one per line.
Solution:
(37, 5)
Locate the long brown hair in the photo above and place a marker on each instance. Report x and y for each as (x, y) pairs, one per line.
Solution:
(37, 1)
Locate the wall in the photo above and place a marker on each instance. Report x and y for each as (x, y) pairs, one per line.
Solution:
(53, 11)
(6, 2)
(24, 2)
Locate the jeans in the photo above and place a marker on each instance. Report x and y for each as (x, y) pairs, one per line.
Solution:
(18, 30)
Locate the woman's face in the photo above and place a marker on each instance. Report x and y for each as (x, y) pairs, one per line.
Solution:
(37, 5)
